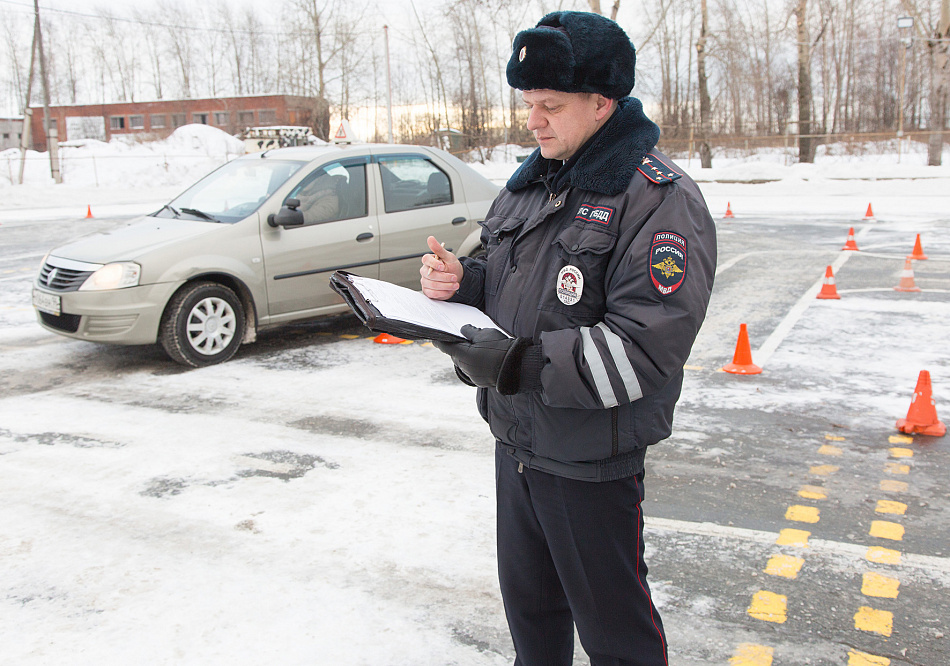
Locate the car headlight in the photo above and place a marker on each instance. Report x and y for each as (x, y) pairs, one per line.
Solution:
(113, 276)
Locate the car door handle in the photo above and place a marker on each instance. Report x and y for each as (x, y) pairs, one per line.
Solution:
(364, 237)
(458, 220)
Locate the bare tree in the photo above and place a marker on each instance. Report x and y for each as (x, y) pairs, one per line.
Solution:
(705, 106)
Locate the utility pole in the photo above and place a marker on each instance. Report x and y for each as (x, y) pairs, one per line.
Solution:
(27, 111)
(389, 85)
(52, 133)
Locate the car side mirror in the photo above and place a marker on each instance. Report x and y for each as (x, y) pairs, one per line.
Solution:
(287, 216)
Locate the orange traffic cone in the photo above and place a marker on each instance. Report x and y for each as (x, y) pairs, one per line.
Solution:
(828, 289)
(850, 244)
(387, 339)
(922, 415)
(742, 360)
(728, 210)
(870, 214)
(907, 278)
(918, 250)
(88, 212)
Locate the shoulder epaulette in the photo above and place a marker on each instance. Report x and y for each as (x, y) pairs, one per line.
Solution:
(657, 171)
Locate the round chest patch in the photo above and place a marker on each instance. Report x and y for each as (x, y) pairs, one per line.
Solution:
(522, 53)
(570, 285)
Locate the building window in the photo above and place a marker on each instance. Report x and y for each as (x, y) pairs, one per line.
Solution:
(246, 118)
(221, 117)
(267, 116)
(178, 119)
(200, 118)
(137, 122)
(157, 120)
(116, 122)
(6, 135)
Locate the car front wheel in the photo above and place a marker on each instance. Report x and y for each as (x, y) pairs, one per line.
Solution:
(203, 325)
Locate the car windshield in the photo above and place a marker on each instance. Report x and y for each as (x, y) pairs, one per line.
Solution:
(232, 192)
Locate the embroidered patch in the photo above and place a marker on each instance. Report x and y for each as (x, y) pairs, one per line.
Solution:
(591, 213)
(668, 262)
(522, 53)
(570, 285)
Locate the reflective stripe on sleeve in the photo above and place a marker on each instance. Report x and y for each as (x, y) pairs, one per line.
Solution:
(597, 369)
(624, 367)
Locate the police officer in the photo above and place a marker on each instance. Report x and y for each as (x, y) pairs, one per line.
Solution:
(600, 255)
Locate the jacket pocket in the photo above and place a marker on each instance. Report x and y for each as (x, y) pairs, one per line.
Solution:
(577, 273)
(501, 233)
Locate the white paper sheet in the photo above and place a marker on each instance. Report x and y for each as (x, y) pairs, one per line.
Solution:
(414, 307)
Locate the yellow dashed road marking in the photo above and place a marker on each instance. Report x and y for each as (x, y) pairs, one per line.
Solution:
(823, 470)
(898, 452)
(829, 450)
(790, 537)
(692, 367)
(900, 439)
(896, 468)
(750, 654)
(834, 438)
(802, 514)
(768, 606)
(886, 530)
(878, 585)
(349, 336)
(785, 566)
(892, 486)
(876, 621)
(813, 492)
(856, 658)
(887, 506)
(883, 555)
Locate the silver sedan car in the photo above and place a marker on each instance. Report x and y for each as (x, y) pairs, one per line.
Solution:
(253, 244)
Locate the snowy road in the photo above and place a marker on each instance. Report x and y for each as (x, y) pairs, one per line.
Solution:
(302, 504)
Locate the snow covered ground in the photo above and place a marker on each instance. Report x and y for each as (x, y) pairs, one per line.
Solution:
(230, 567)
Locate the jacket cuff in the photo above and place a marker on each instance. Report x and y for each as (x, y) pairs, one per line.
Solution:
(521, 370)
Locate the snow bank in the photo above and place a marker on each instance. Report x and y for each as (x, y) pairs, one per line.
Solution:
(187, 154)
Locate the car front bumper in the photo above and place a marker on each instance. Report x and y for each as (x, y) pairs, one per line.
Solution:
(129, 316)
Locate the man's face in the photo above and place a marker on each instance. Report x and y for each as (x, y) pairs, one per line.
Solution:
(562, 122)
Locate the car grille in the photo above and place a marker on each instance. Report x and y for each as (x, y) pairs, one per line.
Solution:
(62, 279)
(63, 322)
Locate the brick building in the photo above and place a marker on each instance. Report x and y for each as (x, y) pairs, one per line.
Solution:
(10, 131)
(160, 118)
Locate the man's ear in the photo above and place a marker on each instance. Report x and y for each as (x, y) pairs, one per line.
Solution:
(604, 107)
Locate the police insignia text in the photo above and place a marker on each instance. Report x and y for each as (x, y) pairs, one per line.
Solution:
(591, 213)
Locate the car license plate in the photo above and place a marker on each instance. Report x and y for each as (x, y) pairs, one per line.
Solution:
(46, 302)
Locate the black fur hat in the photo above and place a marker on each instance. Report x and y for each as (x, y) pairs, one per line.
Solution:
(573, 52)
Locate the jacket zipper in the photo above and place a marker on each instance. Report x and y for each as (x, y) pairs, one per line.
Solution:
(615, 443)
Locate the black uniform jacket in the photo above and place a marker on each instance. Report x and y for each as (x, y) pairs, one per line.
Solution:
(611, 275)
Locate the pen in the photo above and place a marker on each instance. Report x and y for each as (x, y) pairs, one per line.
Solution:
(430, 267)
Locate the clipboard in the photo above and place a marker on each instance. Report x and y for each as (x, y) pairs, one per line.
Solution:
(384, 307)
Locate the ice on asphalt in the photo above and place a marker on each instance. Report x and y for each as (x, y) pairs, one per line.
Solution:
(182, 544)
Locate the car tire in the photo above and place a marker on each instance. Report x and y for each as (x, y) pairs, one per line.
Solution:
(202, 325)
(478, 252)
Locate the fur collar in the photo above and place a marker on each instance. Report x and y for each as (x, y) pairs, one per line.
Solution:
(609, 162)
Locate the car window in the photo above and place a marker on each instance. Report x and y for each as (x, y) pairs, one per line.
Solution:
(413, 182)
(332, 192)
(232, 192)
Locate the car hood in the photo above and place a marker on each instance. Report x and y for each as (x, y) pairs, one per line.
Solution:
(130, 242)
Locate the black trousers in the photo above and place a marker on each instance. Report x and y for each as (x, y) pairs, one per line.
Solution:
(571, 552)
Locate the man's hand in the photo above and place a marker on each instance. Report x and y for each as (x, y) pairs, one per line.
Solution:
(490, 359)
(441, 272)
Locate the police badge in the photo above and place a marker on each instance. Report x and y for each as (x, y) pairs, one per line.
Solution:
(570, 285)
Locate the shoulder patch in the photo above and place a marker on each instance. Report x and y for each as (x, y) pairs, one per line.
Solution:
(587, 212)
(667, 262)
(658, 171)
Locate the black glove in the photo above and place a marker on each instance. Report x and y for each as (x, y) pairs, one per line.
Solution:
(492, 359)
